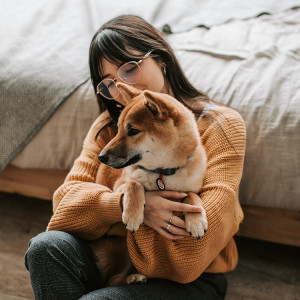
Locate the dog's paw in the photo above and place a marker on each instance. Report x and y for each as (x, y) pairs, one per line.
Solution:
(133, 220)
(136, 278)
(196, 224)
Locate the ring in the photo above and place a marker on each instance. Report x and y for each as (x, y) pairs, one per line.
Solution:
(168, 226)
(170, 221)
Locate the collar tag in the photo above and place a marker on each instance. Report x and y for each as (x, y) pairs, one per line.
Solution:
(160, 183)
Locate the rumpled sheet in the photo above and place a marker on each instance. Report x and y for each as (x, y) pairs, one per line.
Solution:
(254, 67)
(44, 50)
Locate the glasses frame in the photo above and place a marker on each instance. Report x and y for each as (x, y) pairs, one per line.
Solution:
(114, 80)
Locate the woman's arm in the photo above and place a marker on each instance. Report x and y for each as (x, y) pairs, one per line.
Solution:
(80, 206)
(185, 259)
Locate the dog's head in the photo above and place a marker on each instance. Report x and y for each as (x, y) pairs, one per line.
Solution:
(154, 130)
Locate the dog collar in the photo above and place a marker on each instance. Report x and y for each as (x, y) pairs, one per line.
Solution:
(159, 181)
(166, 172)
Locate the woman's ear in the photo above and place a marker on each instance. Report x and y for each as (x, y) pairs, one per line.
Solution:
(128, 92)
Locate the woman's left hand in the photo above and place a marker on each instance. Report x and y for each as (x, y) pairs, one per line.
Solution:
(158, 213)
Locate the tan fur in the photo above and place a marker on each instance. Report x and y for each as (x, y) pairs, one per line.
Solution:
(168, 138)
(112, 259)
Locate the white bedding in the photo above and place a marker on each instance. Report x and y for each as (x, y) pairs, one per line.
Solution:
(254, 67)
(251, 65)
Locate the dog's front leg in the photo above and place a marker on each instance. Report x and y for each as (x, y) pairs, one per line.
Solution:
(195, 223)
(133, 205)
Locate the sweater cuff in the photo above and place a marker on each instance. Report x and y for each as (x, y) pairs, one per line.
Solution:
(111, 208)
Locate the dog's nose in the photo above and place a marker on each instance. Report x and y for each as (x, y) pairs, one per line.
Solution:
(103, 157)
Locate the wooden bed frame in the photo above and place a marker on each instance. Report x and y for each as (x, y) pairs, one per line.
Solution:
(264, 223)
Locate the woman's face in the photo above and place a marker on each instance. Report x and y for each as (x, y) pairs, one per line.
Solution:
(152, 77)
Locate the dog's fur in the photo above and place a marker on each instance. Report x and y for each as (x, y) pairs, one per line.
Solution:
(154, 131)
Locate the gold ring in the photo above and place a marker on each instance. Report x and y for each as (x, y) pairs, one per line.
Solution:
(170, 221)
(168, 226)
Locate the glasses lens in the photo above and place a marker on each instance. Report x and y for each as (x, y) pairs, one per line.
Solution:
(108, 89)
(130, 72)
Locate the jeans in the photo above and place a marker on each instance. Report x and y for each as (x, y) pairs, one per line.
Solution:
(61, 266)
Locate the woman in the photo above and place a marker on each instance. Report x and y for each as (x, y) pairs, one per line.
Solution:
(60, 263)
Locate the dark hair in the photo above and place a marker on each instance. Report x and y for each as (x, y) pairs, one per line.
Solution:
(115, 41)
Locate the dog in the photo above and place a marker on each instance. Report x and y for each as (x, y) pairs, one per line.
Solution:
(158, 147)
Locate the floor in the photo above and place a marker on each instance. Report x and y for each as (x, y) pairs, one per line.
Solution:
(265, 270)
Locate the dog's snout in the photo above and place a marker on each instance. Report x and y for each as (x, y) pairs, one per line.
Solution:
(103, 157)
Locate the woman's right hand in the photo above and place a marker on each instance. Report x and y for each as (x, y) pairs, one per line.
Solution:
(159, 211)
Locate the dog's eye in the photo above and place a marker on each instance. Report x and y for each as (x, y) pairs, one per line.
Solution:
(132, 131)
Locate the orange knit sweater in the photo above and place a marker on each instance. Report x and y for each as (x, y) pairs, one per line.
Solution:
(90, 210)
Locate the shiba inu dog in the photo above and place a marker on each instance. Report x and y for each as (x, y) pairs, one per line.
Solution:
(158, 147)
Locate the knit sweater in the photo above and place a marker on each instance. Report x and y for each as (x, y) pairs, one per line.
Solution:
(90, 210)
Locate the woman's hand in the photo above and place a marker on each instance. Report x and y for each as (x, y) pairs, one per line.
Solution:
(159, 212)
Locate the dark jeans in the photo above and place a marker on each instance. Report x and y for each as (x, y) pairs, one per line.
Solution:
(61, 266)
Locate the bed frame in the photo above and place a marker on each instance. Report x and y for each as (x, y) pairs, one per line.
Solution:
(264, 223)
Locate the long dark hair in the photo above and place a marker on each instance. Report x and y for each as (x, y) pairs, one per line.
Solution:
(115, 41)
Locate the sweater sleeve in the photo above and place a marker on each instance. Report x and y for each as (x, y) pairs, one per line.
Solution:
(186, 259)
(80, 206)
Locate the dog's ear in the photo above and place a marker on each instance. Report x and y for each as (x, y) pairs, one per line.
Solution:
(156, 105)
(128, 92)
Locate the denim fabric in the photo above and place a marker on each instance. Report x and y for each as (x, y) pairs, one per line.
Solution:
(61, 266)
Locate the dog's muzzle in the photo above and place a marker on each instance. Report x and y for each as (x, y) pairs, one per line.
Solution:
(109, 159)
(103, 157)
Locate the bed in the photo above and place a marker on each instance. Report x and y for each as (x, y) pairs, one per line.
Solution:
(245, 55)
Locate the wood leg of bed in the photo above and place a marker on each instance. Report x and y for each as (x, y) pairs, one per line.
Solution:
(271, 224)
(264, 223)
(31, 182)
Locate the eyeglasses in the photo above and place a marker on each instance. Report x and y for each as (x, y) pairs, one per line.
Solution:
(129, 73)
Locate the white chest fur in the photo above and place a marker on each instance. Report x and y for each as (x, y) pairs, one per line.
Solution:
(188, 178)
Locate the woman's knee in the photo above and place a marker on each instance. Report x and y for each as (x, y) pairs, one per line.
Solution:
(110, 293)
(45, 245)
